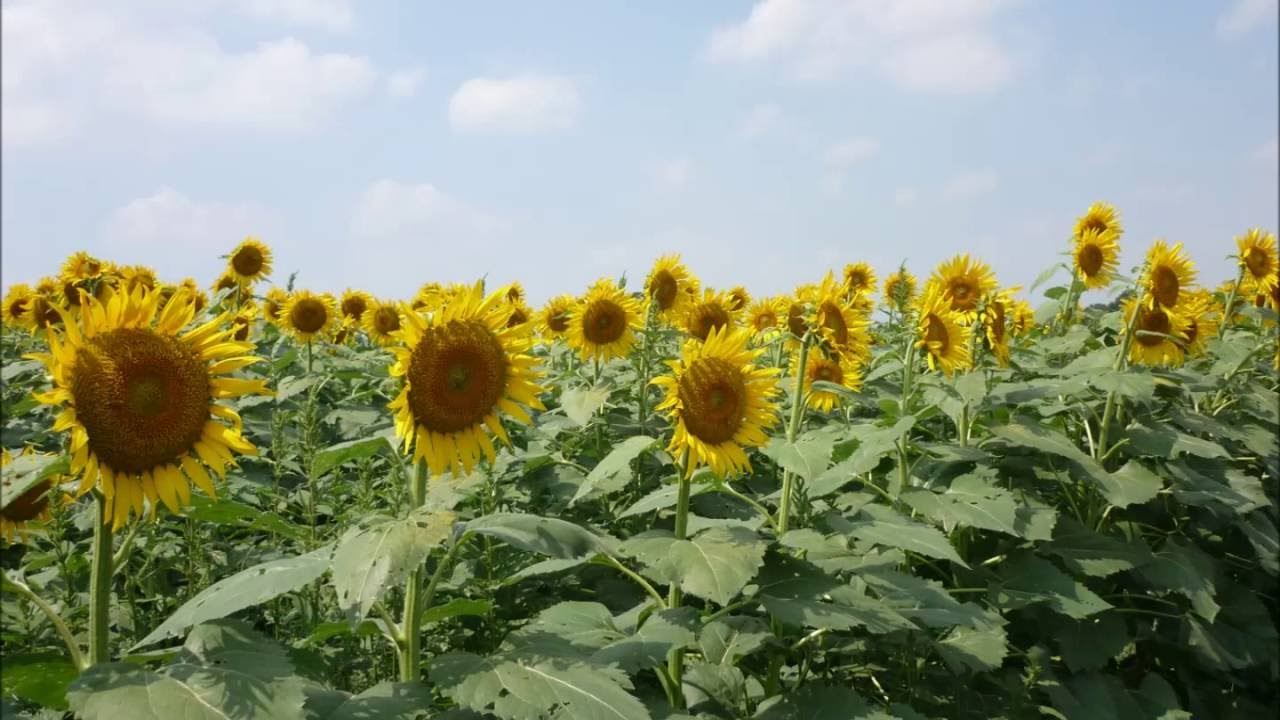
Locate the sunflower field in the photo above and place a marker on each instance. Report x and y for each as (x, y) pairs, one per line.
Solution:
(870, 498)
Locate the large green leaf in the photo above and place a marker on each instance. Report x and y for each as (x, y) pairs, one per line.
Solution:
(246, 588)
(1091, 553)
(579, 404)
(798, 593)
(728, 639)
(552, 537)
(708, 686)
(1198, 484)
(614, 471)
(386, 701)
(1185, 569)
(335, 455)
(524, 689)
(925, 600)
(41, 678)
(664, 497)
(376, 556)
(876, 442)
(1025, 579)
(885, 526)
(225, 511)
(717, 563)
(1261, 532)
(1165, 441)
(972, 500)
(807, 457)
(1132, 484)
(651, 643)
(976, 649)
(1089, 643)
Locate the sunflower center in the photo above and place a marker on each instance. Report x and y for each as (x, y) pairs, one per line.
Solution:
(1258, 262)
(833, 320)
(857, 280)
(16, 308)
(457, 373)
(766, 320)
(518, 317)
(354, 306)
(225, 283)
(43, 312)
(241, 326)
(247, 261)
(386, 320)
(827, 371)
(1089, 259)
(29, 505)
(71, 291)
(1093, 223)
(706, 318)
(963, 295)
(1165, 285)
(935, 333)
(997, 322)
(795, 320)
(663, 289)
(604, 321)
(142, 397)
(1153, 321)
(713, 395)
(558, 322)
(308, 315)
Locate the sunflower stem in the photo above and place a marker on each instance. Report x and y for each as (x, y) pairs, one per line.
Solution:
(73, 647)
(1121, 362)
(904, 407)
(308, 356)
(675, 661)
(411, 648)
(100, 587)
(793, 427)
(1073, 295)
(1227, 312)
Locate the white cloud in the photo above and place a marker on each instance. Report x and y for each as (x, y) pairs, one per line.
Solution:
(405, 83)
(324, 14)
(922, 45)
(170, 223)
(391, 210)
(1269, 151)
(971, 184)
(905, 196)
(28, 122)
(519, 104)
(1246, 16)
(674, 174)
(759, 120)
(848, 153)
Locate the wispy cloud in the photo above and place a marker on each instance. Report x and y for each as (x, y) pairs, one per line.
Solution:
(759, 120)
(971, 184)
(405, 83)
(1246, 16)
(392, 210)
(518, 104)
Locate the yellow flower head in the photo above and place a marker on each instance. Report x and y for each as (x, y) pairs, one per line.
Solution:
(354, 303)
(1169, 274)
(43, 311)
(942, 333)
(670, 287)
(249, 262)
(1100, 218)
(1096, 257)
(81, 266)
(900, 289)
(964, 282)
(307, 316)
(273, 303)
(32, 505)
(712, 311)
(382, 323)
(1161, 333)
(605, 322)
(462, 366)
(1022, 319)
(518, 312)
(1202, 314)
(859, 279)
(739, 298)
(139, 391)
(226, 281)
(719, 401)
(1258, 261)
(839, 368)
(764, 317)
(840, 325)
(554, 318)
(997, 314)
(15, 305)
(133, 277)
(515, 293)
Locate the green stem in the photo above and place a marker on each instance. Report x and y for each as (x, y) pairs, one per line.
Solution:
(100, 587)
(1073, 295)
(675, 661)
(122, 554)
(962, 426)
(411, 648)
(793, 427)
(610, 561)
(1121, 362)
(308, 357)
(1228, 312)
(77, 658)
(904, 408)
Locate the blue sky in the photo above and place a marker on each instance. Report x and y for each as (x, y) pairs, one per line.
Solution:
(382, 145)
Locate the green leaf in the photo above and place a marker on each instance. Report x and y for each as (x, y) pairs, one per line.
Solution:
(649, 646)
(717, 563)
(1184, 569)
(386, 701)
(246, 588)
(1132, 484)
(458, 607)
(1094, 697)
(1240, 495)
(40, 678)
(547, 536)
(579, 404)
(975, 649)
(524, 689)
(1026, 579)
(1262, 535)
(1132, 383)
(335, 455)
(884, 526)
(1091, 553)
(664, 497)
(1241, 636)
(807, 457)
(795, 592)
(1164, 441)
(706, 685)
(876, 442)
(376, 556)
(731, 638)
(24, 472)
(1089, 643)
(225, 511)
(972, 500)
(972, 387)
(614, 471)
(814, 701)
(925, 600)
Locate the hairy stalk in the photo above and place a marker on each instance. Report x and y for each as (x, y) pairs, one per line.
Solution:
(793, 427)
(1122, 361)
(411, 648)
(675, 661)
(1227, 313)
(100, 587)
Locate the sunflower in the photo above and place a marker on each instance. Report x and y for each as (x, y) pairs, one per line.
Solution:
(1258, 260)
(42, 312)
(1101, 218)
(1168, 274)
(306, 315)
(764, 316)
(964, 281)
(432, 295)
(82, 266)
(1096, 256)
(242, 322)
(133, 277)
(31, 505)
(797, 315)
(515, 293)
(272, 303)
(354, 303)
(138, 398)
(713, 310)
(1022, 318)
(1202, 314)
(900, 289)
(840, 325)
(739, 298)
(249, 262)
(859, 279)
(518, 313)
(226, 281)
(1161, 333)
(553, 319)
(839, 368)
(461, 366)
(670, 287)
(719, 401)
(997, 312)
(942, 332)
(15, 305)
(382, 322)
(605, 323)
